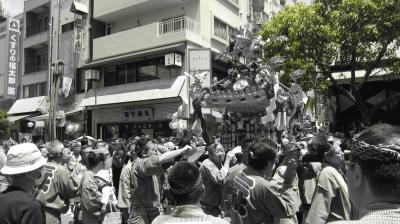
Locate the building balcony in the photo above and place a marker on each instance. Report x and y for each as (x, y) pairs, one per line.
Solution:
(31, 67)
(37, 38)
(35, 77)
(34, 4)
(147, 37)
(106, 10)
(36, 28)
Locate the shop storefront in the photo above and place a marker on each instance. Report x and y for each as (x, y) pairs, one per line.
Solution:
(21, 112)
(135, 120)
(134, 109)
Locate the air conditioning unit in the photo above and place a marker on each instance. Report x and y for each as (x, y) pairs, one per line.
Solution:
(92, 74)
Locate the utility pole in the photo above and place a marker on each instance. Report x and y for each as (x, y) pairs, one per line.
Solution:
(57, 70)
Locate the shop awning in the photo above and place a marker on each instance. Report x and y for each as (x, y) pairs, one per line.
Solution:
(29, 105)
(135, 92)
(119, 58)
(44, 117)
(16, 118)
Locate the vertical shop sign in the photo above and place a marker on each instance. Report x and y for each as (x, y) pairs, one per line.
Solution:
(199, 62)
(12, 59)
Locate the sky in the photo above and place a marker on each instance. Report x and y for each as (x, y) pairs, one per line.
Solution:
(14, 7)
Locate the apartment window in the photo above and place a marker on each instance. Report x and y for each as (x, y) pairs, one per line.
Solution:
(39, 62)
(223, 30)
(38, 89)
(220, 29)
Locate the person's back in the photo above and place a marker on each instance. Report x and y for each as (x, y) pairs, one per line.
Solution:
(56, 185)
(257, 198)
(23, 167)
(186, 187)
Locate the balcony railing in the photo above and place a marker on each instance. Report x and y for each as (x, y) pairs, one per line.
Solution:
(36, 28)
(31, 67)
(176, 25)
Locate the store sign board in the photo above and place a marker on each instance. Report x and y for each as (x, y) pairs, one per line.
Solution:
(138, 114)
(199, 59)
(200, 64)
(173, 59)
(12, 59)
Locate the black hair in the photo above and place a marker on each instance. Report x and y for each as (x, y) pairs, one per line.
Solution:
(93, 159)
(262, 151)
(140, 145)
(183, 175)
(384, 177)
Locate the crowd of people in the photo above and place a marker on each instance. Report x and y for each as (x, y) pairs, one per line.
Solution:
(309, 178)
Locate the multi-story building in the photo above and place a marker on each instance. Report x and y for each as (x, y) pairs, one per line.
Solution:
(115, 53)
(137, 93)
(129, 44)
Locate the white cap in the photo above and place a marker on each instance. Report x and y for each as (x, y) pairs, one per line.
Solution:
(23, 158)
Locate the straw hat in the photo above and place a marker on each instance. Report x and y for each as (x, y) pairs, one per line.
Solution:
(23, 158)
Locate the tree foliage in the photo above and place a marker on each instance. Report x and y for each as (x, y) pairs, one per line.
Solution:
(5, 126)
(331, 35)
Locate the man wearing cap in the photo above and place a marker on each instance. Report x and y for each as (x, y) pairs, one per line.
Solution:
(56, 187)
(373, 174)
(145, 188)
(23, 167)
(186, 187)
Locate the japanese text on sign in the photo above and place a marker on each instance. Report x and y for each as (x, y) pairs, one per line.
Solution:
(12, 59)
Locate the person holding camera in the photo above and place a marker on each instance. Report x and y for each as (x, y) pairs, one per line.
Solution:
(331, 197)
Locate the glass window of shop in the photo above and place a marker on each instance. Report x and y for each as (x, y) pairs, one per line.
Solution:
(38, 89)
(147, 70)
(138, 72)
(127, 130)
